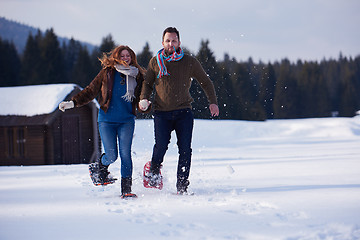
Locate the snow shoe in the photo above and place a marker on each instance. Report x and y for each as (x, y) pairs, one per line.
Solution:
(184, 193)
(128, 196)
(152, 180)
(99, 173)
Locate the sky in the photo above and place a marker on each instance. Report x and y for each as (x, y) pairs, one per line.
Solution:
(265, 30)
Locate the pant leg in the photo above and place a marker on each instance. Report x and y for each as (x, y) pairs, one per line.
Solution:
(125, 137)
(108, 134)
(162, 130)
(184, 123)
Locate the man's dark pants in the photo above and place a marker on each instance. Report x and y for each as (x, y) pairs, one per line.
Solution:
(182, 121)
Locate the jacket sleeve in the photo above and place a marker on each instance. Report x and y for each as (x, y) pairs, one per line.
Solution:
(140, 81)
(150, 77)
(206, 84)
(90, 92)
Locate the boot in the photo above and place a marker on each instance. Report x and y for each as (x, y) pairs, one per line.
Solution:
(104, 174)
(103, 170)
(154, 175)
(155, 169)
(182, 185)
(126, 188)
(99, 173)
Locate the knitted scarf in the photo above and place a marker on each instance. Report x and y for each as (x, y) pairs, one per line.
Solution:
(130, 72)
(160, 57)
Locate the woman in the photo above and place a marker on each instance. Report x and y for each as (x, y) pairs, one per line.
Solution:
(118, 87)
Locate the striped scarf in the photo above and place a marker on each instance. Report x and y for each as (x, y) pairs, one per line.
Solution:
(160, 57)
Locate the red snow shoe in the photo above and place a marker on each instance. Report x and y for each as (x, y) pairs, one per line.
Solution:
(151, 180)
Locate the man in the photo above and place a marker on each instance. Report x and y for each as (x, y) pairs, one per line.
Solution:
(172, 72)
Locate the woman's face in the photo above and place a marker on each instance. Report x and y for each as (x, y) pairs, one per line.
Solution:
(125, 56)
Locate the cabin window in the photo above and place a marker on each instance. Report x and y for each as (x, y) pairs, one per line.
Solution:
(10, 134)
(21, 142)
(16, 142)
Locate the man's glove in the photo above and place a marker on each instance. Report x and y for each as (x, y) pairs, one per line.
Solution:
(144, 104)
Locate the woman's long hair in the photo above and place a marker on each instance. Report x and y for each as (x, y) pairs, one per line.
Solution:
(113, 58)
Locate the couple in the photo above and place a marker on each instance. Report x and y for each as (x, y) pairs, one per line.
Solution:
(123, 86)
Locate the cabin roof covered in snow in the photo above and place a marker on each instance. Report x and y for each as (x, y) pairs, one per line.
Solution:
(33, 100)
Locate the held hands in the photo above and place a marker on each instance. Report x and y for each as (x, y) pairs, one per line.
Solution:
(144, 104)
(214, 110)
(66, 105)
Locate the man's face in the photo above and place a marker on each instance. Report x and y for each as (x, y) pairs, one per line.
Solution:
(170, 41)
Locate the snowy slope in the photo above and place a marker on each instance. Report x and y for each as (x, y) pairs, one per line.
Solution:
(279, 179)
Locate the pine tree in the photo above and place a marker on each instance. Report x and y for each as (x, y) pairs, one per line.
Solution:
(52, 59)
(267, 90)
(206, 58)
(83, 72)
(144, 57)
(226, 93)
(349, 88)
(312, 91)
(286, 97)
(248, 108)
(10, 64)
(330, 70)
(30, 73)
(71, 53)
(107, 44)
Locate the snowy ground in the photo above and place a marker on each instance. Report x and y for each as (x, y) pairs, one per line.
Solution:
(280, 179)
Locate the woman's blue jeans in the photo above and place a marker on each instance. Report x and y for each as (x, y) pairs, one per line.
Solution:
(182, 121)
(117, 137)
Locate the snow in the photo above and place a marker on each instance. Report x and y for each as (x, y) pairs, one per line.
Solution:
(33, 100)
(278, 179)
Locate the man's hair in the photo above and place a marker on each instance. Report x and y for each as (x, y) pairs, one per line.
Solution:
(171, 30)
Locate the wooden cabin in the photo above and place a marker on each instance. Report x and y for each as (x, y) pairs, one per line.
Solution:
(33, 131)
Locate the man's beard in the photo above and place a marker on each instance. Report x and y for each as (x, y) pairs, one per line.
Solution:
(169, 52)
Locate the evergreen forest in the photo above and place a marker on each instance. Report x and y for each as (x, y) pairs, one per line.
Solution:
(245, 90)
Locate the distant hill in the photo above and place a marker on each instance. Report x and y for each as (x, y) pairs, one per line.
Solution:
(18, 33)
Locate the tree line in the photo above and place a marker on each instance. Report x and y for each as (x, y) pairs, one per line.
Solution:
(245, 90)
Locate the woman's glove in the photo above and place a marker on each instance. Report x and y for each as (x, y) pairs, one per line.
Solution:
(66, 105)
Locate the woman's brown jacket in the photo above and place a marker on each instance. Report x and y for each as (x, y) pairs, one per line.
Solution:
(102, 87)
